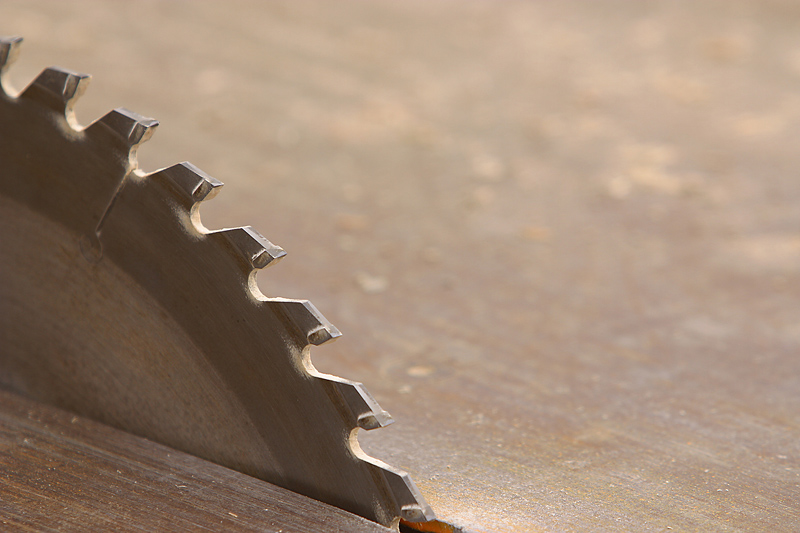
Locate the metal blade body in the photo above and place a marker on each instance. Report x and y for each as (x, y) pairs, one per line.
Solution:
(117, 304)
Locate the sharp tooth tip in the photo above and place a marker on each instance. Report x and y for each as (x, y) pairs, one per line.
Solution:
(265, 257)
(311, 324)
(132, 128)
(413, 507)
(197, 171)
(62, 73)
(368, 422)
(134, 116)
(366, 412)
(8, 44)
(252, 246)
(57, 88)
(417, 513)
(9, 49)
(190, 180)
(375, 420)
(323, 334)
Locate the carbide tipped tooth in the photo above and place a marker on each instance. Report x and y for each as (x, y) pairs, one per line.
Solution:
(9, 50)
(252, 246)
(190, 180)
(413, 507)
(131, 128)
(57, 89)
(307, 319)
(367, 414)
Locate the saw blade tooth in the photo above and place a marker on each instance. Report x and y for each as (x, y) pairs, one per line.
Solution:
(367, 413)
(127, 127)
(9, 50)
(413, 507)
(195, 184)
(313, 326)
(57, 89)
(411, 504)
(251, 246)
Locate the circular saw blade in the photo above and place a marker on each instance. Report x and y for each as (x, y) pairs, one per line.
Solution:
(119, 305)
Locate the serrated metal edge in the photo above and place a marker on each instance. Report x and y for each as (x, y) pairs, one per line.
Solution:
(193, 186)
(58, 89)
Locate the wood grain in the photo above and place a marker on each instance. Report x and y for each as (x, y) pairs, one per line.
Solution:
(59, 472)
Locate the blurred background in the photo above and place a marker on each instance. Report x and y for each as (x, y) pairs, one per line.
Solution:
(562, 239)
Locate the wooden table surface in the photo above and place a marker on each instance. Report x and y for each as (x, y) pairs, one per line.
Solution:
(60, 472)
(562, 240)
